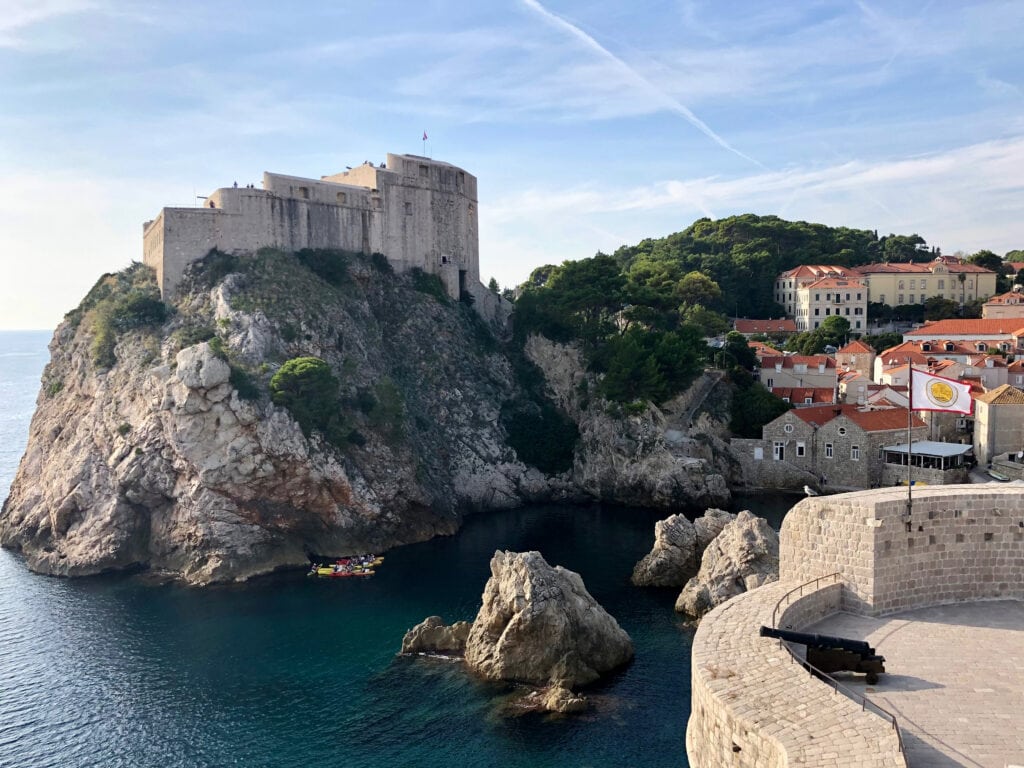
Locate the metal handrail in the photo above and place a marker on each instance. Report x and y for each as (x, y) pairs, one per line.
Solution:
(865, 702)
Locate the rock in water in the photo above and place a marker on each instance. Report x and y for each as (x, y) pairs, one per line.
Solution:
(560, 699)
(674, 558)
(678, 546)
(432, 635)
(539, 625)
(742, 557)
(709, 525)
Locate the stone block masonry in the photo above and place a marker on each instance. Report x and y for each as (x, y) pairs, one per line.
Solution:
(959, 543)
(752, 706)
(420, 213)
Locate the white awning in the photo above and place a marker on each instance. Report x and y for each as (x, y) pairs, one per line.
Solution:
(931, 448)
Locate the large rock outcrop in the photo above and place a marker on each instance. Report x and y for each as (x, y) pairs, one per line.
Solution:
(678, 547)
(432, 635)
(654, 459)
(539, 625)
(155, 442)
(742, 557)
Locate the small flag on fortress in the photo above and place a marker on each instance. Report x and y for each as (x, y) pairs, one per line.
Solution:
(424, 135)
(935, 393)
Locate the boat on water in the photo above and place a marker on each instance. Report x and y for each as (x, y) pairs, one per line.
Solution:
(997, 476)
(344, 567)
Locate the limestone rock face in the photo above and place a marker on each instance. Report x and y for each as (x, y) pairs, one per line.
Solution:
(432, 635)
(648, 460)
(539, 625)
(674, 558)
(560, 699)
(678, 547)
(166, 452)
(742, 557)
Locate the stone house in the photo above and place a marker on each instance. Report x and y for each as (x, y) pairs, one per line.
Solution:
(998, 422)
(841, 445)
(856, 356)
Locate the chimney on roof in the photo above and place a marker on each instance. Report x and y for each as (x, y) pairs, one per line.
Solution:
(837, 411)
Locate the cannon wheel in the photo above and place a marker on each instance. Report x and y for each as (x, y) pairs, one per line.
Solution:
(871, 678)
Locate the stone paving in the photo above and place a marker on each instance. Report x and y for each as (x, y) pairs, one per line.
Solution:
(955, 679)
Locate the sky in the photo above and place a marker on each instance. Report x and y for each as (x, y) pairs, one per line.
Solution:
(589, 124)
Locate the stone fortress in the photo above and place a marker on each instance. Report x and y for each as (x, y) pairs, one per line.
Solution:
(862, 560)
(418, 212)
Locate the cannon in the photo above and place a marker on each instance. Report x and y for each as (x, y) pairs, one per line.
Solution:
(834, 654)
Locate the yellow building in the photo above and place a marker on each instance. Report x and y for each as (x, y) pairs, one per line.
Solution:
(913, 283)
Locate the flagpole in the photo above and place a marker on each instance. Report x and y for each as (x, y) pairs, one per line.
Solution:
(910, 442)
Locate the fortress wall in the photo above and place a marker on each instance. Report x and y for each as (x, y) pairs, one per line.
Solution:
(752, 706)
(964, 543)
(418, 212)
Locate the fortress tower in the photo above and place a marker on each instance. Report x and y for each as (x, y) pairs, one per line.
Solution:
(418, 212)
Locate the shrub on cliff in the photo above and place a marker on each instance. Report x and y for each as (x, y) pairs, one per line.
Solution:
(329, 264)
(308, 389)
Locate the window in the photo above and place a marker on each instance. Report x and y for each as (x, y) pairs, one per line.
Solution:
(408, 209)
(841, 431)
(770, 383)
(801, 448)
(913, 284)
(899, 299)
(788, 428)
(970, 283)
(302, 192)
(808, 400)
(424, 172)
(858, 310)
(817, 297)
(855, 452)
(942, 285)
(828, 450)
(828, 310)
(858, 297)
(857, 324)
(817, 311)
(828, 296)
(758, 454)
(900, 285)
(848, 297)
(926, 347)
(847, 310)
(341, 198)
(778, 450)
(923, 297)
(923, 284)
(817, 324)
(881, 299)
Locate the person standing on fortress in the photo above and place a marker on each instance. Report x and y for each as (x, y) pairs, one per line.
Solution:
(236, 185)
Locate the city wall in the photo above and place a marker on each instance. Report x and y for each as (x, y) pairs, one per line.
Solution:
(959, 542)
(752, 706)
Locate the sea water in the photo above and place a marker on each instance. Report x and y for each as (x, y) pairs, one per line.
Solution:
(290, 670)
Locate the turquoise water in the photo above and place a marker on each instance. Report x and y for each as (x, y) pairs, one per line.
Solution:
(296, 671)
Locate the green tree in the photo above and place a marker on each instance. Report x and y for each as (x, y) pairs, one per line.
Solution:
(883, 341)
(309, 390)
(753, 406)
(739, 350)
(710, 323)
(835, 330)
(492, 286)
(987, 260)
(938, 308)
(696, 288)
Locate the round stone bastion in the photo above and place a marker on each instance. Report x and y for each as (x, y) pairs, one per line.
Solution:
(865, 553)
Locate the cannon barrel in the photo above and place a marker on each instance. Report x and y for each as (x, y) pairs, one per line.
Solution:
(820, 641)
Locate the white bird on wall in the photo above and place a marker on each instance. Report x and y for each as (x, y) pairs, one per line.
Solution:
(810, 491)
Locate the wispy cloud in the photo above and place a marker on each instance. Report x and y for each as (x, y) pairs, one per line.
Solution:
(638, 79)
(20, 15)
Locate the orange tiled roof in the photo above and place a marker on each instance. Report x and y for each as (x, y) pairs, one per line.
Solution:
(926, 267)
(817, 270)
(1006, 299)
(799, 395)
(855, 347)
(789, 361)
(834, 282)
(981, 327)
(782, 325)
(1004, 395)
(869, 421)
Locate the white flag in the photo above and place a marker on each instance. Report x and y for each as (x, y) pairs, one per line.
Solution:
(935, 393)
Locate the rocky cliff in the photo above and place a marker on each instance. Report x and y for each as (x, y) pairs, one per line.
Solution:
(156, 442)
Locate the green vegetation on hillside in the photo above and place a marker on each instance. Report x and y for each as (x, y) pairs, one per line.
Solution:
(119, 302)
(308, 389)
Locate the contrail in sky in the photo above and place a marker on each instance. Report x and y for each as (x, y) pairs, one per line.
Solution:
(666, 99)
